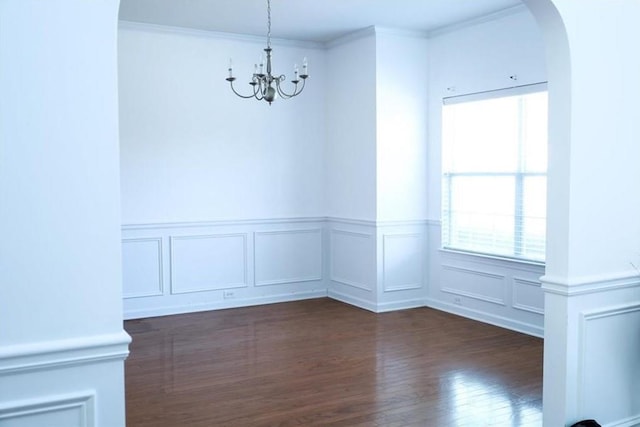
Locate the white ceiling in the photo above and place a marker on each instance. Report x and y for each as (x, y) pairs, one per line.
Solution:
(308, 20)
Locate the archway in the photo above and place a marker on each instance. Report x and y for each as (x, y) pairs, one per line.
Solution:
(592, 306)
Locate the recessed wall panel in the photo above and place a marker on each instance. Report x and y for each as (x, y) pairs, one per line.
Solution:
(610, 344)
(352, 259)
(142, 267)
(528, 296)
(402, 261)
(208, 263)
(480, 285)
(50, 411)
(288, 256)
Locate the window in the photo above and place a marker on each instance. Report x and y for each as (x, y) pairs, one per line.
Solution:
(494, 182)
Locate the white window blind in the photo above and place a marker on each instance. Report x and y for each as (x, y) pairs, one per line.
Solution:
(494, 165)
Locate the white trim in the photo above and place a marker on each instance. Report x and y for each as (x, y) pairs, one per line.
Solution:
(481, 316)
(495, 93)
(400, 305)
(478, 20)
(337, 279)
(288, 281)
(222, 304)
(415, 34)
(351, 221)
(347, 282)
(525, 307)
(62, 353)
(351, 300)
(633, 421)
(493, 260)
(474, 295)
(292, 279)
(160, 290)
(434, 222)
(218, 287)
(351, 233)
(402, 223)
(589, 284)
(404, 286)
(289, 231)
(350, 37)
(273, 221)
(585, 318)
(192, 32)
(83, 403)
(220, 223)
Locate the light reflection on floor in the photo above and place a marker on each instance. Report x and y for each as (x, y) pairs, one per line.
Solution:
(478, 402)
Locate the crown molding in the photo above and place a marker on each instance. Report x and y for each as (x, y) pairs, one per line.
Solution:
(346, 38)
(520, 8)
(192, 32)
(350, 37)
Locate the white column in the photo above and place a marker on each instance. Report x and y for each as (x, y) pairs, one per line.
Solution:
(592, 312)
(62, 345)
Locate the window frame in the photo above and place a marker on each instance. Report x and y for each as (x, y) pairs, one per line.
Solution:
(519, 177)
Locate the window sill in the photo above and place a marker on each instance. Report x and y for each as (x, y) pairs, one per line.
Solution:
(518, 261)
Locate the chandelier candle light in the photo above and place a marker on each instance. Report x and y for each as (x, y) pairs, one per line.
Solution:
(267, 86)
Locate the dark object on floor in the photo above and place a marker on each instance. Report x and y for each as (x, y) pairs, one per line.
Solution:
(586, 423)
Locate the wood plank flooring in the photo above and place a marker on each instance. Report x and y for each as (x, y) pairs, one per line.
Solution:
(322, 362)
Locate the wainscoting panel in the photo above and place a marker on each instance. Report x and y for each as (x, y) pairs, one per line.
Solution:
(403, 260)
(142, 267)
(401, 265)
(499, 291)
(380, 266)
(71, 382)
(208, 262)
(287, 256)
(352, 261)
(68, 411)
(528, 295)
(610, 344)
(221, 264)
(476, 284)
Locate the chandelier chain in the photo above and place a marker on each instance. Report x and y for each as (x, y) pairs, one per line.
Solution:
(269, 23)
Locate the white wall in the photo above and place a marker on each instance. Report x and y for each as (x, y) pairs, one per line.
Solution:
(474, 58)
(478, 58)
(61, 340)
(402, 94)
(193, 151)
(350, 171)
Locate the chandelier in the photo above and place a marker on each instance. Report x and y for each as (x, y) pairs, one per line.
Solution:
(268, 86)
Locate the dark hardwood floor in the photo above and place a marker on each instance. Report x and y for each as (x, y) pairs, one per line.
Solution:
(321, 362)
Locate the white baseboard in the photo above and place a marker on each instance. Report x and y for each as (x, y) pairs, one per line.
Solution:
(627, 422)
(400, 305)
(485, 317)
(222, 304)
(351, 300)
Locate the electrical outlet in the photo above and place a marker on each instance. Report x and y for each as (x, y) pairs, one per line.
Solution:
(457, 300)
(228, 294)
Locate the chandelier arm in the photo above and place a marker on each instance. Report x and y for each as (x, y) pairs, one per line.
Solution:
(260, 89)
(240, 95)
(295, 92)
